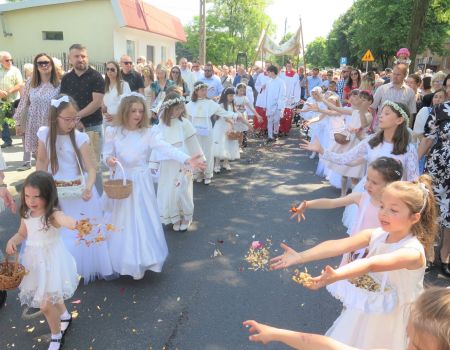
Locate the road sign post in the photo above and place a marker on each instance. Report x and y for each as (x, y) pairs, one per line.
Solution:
(368, 57)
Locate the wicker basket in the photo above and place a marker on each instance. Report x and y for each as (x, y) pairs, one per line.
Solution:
(11, 274)
(234, 135)
(118, 189)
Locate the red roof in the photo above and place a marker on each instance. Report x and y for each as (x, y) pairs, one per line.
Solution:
(139, 15)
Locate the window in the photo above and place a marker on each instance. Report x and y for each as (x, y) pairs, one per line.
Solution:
(52, 36)
(131, 49)
(163, 54)
(150, 53)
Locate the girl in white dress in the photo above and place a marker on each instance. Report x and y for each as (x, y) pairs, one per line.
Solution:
(64, 152)
(139, 245)
(377, 291)
(51, 271)
(200, 110)
(393, 140)
(243, 101)
(224, 148)
(428, 326)
(175, 186)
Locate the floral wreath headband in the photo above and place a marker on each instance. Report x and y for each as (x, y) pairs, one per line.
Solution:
(172, 101)
(200, 86)
(398, 109)
(135, 94)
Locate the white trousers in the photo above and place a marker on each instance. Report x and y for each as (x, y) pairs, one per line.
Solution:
(273, 123)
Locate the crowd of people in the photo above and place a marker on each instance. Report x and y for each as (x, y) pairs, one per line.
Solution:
(384, 136)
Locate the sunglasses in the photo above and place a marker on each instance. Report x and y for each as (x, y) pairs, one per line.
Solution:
(175, 72)
(8, 60)
(355, 73)
(127, 63)
(43, 63)
(112, 70)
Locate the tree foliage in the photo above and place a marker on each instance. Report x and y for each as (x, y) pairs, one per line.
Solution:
(316, 53)
(232, 26)
(384, 26)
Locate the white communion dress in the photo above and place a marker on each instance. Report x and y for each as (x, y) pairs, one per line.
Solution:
(139, 243)
(51, 270)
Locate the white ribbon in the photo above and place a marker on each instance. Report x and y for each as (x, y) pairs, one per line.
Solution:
(426, 192)
(56, 102)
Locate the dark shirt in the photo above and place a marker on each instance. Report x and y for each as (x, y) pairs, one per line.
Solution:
(134, 79)
(237, 80)
(427, 100)
(80, 88)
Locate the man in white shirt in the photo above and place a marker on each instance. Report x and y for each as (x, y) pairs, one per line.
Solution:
(186, 74)
(293, 92)
(275, 102)
(196, 71)
(215, 87)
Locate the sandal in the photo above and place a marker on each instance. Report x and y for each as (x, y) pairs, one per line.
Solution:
(60, 341)
(68, 322)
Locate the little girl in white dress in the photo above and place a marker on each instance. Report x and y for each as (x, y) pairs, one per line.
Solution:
(377, 291)
(51, 271)
(139, 243)
(64, 152)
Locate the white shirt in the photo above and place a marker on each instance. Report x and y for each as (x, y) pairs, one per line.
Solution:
(276, 96)
(189, 78)
(291, 83)
(111, 99)
(260, 86)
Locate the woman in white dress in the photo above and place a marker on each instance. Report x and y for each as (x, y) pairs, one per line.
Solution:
(114, 88)
(64, 152)
(175, 186)
(200, 110)
(139, 245)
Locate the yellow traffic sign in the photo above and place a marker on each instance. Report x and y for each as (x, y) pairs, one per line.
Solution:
(368, 57)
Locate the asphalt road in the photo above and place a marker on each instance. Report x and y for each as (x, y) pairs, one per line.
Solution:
(200, 301)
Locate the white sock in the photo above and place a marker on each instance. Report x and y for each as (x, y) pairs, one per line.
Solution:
(65, 315)
(55, 345)
(57, 336)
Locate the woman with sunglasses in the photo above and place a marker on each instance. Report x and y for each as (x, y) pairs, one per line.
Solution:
(115, 87)
(353, 82)
(33, 108)
(175, 76)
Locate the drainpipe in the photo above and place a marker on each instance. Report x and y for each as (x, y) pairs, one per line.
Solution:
(2, 19)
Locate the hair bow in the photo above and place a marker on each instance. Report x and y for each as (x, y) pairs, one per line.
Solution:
(55, 102)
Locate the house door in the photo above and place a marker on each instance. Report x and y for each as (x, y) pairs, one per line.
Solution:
(151, 53)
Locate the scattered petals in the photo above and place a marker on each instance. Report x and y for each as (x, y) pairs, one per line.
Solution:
(76, 301)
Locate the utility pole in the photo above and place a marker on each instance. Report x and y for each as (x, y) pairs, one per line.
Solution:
(303, 45)
(202, 34)
(284, 35)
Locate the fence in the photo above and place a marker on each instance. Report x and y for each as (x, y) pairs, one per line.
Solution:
(20, 61)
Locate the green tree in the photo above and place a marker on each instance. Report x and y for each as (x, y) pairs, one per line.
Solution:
(232, 26)
(316, 54)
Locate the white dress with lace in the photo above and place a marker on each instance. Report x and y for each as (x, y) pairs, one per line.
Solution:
(52, 271)
(364, 153)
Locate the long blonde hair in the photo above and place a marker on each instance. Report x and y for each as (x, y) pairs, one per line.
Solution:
(418, 197)
(166, 116)
(54, 113)
(124, 110)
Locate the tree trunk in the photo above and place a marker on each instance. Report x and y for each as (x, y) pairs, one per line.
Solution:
(419, 12)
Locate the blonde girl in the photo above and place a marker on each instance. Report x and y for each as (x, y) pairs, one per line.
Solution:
(52, 273)
(65, 153)
(376, 291)
(140, 245)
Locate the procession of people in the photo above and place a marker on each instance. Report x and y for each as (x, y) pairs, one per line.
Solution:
(170, 129)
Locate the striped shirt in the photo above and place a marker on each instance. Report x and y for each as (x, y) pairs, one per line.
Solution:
(8, 79)
(404, 95)
(340, 89)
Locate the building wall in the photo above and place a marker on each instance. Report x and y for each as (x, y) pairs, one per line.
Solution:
(437, 62)
(141, 40)
(89, 23)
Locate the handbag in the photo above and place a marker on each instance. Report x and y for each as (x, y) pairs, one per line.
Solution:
(73, 188)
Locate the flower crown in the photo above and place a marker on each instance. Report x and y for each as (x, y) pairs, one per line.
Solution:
(200, 86)
(398, 109)
(133, 93)
(172, 101)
